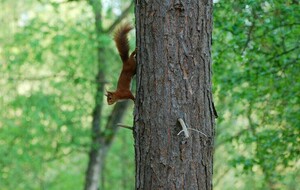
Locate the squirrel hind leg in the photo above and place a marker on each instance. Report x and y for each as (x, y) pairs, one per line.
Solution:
(133, 53)
(129, 95)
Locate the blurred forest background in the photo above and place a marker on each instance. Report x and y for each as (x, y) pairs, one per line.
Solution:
(47, 94)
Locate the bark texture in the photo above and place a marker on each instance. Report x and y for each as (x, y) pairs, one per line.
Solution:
(174, 81)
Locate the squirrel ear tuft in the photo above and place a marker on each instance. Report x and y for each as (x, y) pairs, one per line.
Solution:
(108, 93)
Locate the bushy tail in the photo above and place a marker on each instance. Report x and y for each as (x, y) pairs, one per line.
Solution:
(121, 41)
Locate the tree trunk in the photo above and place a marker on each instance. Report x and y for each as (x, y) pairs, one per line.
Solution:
(174, 81)
(101, 143)
(102, 137)
(97, 152)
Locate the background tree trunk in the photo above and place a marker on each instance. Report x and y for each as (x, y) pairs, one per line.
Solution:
(102, 137)
(174, 81)
(97, 150)
(101, 143)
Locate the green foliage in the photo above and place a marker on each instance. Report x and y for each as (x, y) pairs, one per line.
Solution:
(48, 68)
(119, 164)
(44, 117)
(256, 64)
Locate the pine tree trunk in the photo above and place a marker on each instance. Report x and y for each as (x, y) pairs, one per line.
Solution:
(174, 81)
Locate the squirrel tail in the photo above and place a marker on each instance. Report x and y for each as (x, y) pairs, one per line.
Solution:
(121, 41)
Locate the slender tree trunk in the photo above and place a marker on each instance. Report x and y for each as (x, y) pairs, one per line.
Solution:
(97, 152)
(101, 143)
(174, 81)
(102, 136)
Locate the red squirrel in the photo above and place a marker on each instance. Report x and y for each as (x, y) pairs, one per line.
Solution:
(129, 66)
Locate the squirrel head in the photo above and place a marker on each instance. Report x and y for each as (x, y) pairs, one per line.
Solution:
(111, 98)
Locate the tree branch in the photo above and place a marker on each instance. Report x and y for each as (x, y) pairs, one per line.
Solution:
(283, 53)
(120, 18)
(115, 117)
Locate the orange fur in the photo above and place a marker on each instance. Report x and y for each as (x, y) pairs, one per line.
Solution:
(129, 67)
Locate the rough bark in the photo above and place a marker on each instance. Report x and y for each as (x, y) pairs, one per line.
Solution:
(174, 81)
